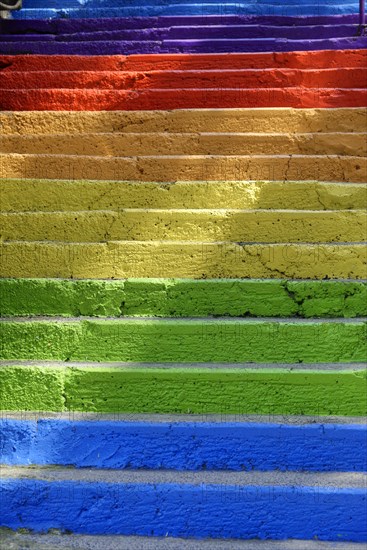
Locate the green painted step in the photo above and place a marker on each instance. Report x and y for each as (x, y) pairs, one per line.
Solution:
(234, 340)
(195, 389)
(183, 298)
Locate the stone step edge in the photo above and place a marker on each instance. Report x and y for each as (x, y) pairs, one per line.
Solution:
(15, 540)
(190, 367)
(184, 320)
(222, 420)
(331, 480)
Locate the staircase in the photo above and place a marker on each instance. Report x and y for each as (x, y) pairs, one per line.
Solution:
(183, 277)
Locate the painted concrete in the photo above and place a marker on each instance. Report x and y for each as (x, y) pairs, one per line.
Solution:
(126, 259)
(329, 507)
(203, 31)
(183, 298)
(168, 168)
(283, 120)
(162, 143)
(191, 9)
(155, 99)
(34, 195)
(185, 80)
(184, 446)
(261, 60)
(195, 390)
(72, 26)
(247, 226)
(233, 340)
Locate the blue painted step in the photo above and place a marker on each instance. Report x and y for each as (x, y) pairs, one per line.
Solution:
(174, 444)
(189, 9)
(241, 505)
(83, 4)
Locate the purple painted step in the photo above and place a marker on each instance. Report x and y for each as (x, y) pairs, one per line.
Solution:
(69, 26)
(179, 46)
(200, 32)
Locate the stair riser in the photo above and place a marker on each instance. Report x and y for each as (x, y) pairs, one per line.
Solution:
(183, 298)
(117, 100)
(199, 32)
(125, 144)
(295, 60)
(185, 510)
(185, 391)
(180, 46)
(223, 8)
(165, 3)
(121, 260)
(267, 121)
(190, 446)
(58, 195)
(180, 80)
(186, 341)
(193, 226)
(176, 168)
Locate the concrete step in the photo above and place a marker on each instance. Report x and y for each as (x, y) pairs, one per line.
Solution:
(301, 32)
(207, 8)
(167, 168)
(162, 143)
(183, 298)
(157, 99)
(252, 120)
(185, 80)
(234, 340)
(178, 259)
(40, 195)
(181, 443)
(128, 47)
(17, 541)
(117, 4)
(224, 505)
(173, 388)
(247, 226)
(171, 62)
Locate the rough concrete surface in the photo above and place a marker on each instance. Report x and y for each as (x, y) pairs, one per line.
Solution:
(183, 298)
(200, 390)
(62, 195)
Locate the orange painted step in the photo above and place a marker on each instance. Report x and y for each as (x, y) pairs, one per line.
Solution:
(130, 100)
(186, 79)
(296, 60)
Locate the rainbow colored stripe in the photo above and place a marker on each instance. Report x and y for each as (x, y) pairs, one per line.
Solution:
(184, 269)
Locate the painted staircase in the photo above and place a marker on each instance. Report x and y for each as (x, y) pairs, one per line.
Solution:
(183, 277)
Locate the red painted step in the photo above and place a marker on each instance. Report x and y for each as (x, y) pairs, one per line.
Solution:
(115, 100)
(296, 60)
(188, 79)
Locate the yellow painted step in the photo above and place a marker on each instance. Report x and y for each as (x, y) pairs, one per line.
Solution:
(45, 195)
(164, 143)
(274, 226)
(193, 167)
(268, 120)
(183, 259)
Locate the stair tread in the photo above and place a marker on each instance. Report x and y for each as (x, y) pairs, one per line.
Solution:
(120, 542)
(331, 480)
